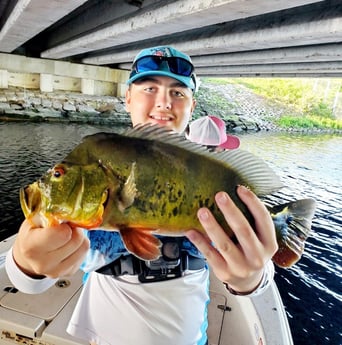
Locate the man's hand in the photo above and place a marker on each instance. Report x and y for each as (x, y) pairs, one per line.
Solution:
(239, 265)
(51, 252)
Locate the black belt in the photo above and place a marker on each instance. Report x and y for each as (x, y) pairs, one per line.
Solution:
(164, 268)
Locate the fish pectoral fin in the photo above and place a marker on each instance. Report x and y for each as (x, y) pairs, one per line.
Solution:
(293, 226)
(141, 243)
(129, 191)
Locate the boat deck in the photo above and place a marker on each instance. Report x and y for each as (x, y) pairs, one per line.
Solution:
(42, 319)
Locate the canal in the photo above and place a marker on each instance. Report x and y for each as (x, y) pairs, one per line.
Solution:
(308, 165)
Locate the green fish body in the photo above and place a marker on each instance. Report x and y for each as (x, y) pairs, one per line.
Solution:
(151, 181)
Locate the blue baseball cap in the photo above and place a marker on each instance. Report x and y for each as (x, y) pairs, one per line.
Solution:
(163, 61)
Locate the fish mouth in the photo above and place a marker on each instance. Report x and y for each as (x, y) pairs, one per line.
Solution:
(30, 199)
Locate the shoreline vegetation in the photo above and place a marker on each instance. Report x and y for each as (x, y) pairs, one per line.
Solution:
(291, 104)
(245, 104)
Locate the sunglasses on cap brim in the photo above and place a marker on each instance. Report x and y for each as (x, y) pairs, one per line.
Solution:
(176, 65)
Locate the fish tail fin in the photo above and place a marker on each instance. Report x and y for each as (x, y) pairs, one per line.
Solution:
(293, 226)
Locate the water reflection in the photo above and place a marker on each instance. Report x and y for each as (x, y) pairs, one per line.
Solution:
(309, 166)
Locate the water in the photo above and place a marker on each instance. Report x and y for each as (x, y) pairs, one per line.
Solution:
(310, 166)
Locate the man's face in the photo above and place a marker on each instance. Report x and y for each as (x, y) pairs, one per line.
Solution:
(160, 100)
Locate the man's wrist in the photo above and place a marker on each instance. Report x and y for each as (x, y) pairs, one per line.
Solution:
(265, 282)
(242, 293)
(23, 269)
(23, 282)
(29, 273)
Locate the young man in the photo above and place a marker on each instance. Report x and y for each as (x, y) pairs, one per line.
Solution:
(122, 309)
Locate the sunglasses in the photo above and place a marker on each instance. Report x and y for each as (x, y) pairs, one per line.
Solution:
(176, 65)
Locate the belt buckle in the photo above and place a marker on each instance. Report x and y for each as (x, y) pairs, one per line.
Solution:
(167, 267)
(159, 270)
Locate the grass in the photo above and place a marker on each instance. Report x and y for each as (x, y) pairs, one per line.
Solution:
(314, 103)
(308, 122)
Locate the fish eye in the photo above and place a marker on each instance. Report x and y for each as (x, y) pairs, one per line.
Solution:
(58, 172)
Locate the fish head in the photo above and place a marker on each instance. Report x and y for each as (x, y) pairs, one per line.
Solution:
(67, 193)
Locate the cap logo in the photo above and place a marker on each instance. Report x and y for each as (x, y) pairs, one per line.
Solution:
(161, 52)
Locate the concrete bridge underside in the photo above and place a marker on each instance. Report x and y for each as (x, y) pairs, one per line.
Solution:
(224, 37)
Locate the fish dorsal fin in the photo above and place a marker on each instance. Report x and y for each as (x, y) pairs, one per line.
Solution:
(259, 177)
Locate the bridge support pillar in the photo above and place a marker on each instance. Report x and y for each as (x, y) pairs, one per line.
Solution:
(121, 90)
(88, 86)
(46, 82)
(3, 79)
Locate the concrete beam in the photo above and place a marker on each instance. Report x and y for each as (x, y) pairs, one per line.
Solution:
(318, 28)
(29, 17)
(337, 74)
(90, 17)
(22, 64)
(269, 69)
(170, 18)
(316, 53)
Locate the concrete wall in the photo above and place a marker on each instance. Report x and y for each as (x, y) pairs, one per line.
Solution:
(51, 75)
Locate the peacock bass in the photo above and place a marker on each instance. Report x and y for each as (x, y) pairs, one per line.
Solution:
(151, 181)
